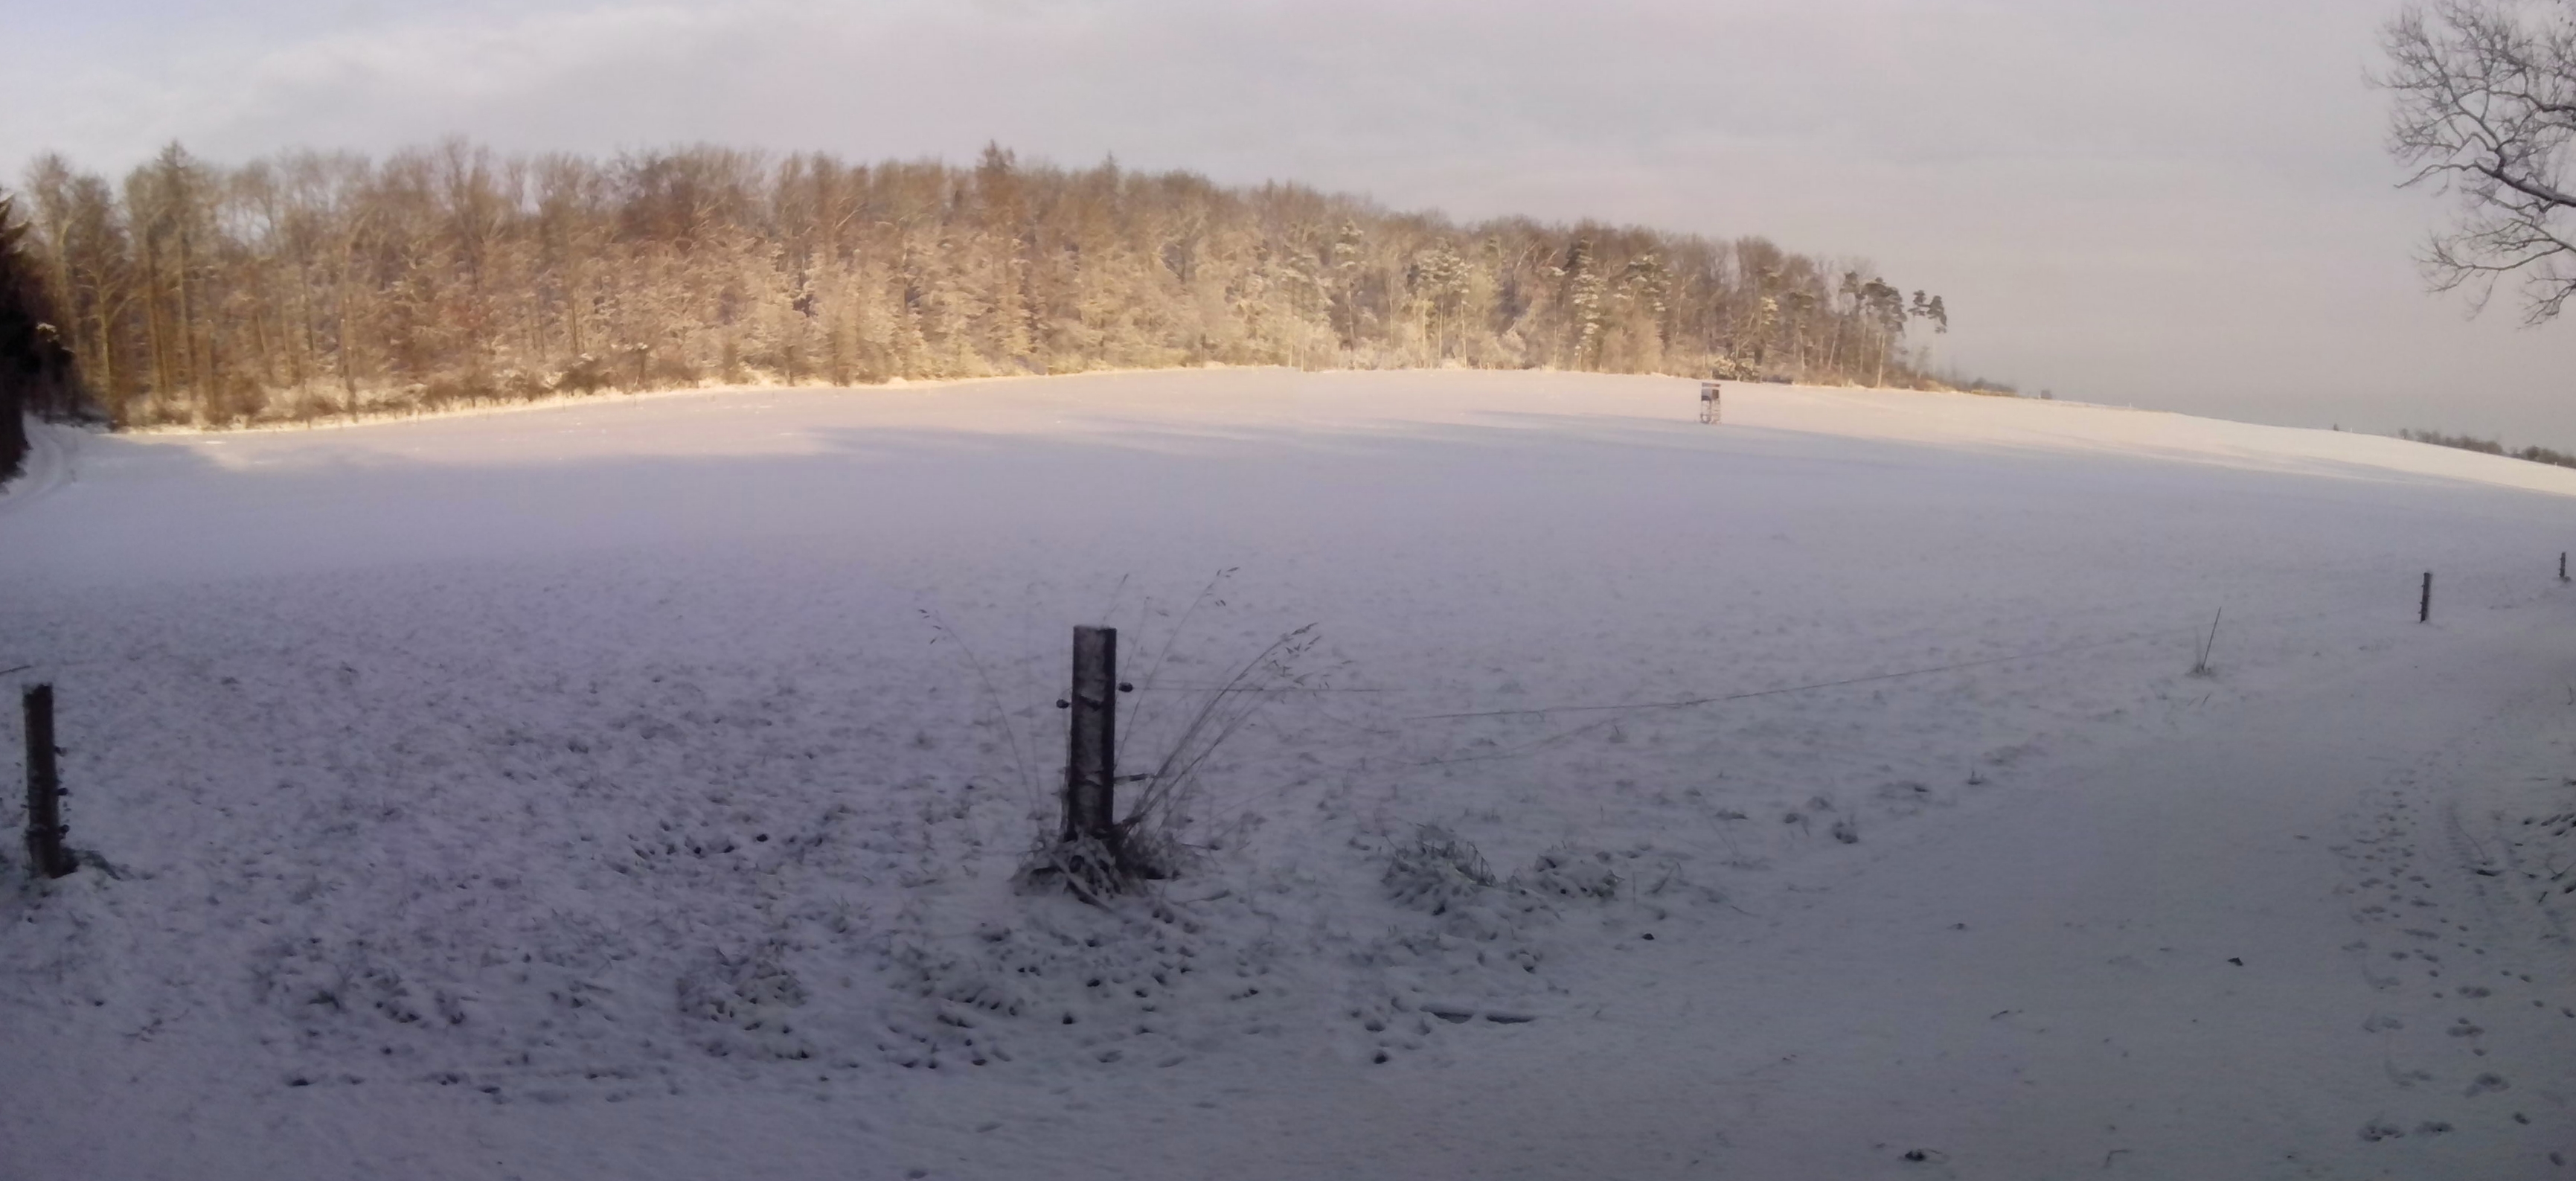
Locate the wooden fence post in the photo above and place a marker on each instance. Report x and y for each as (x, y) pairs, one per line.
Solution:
(45, 852)
(2424, 611)
(1091, 754)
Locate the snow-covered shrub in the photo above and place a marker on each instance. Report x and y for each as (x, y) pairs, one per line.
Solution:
(1086, 867)
(1569, 872)
(587, 374)
(311, 976)
(1133, 980)
(745, 986)
(1165, 803)
(1436, 870)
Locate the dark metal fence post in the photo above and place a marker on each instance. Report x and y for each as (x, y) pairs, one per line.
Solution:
(2424, 611)
(1091, 770)
(45, 828)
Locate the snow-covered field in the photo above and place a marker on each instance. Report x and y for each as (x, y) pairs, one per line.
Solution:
(632, 789)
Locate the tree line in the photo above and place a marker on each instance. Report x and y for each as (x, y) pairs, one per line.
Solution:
(313, 284)
(2535, 454)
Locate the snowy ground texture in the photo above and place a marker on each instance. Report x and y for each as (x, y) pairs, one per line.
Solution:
(633, 789)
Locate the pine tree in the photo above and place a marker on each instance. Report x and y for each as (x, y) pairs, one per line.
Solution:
(38, 375)
(1581, 288)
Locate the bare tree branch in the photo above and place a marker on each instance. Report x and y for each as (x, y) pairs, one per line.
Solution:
(2485, 110)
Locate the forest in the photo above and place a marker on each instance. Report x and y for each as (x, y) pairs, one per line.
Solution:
(319, 284)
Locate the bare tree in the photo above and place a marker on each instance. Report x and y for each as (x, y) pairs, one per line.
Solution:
(2485, 110)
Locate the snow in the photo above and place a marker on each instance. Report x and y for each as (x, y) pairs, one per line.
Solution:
(633, 788)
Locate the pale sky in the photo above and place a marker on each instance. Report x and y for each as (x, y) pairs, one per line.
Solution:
(2168, 203)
